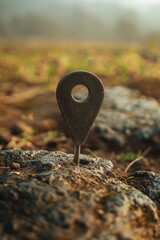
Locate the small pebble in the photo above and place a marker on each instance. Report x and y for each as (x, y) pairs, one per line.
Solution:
(15, 165)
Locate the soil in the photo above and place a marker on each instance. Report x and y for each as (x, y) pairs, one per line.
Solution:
(30, 120)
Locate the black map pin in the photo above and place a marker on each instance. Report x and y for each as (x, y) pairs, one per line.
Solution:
(79, 115)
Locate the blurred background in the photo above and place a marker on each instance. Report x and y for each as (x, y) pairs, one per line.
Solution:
(86, 20)
(41, 40)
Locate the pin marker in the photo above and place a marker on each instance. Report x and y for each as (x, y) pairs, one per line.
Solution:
(79, 115)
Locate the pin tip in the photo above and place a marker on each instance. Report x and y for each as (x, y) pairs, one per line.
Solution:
(77, 150)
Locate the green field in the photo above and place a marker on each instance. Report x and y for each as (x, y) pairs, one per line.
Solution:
(46, 64)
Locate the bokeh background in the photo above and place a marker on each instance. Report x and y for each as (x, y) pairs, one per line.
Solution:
(86, 20)
(41, 40)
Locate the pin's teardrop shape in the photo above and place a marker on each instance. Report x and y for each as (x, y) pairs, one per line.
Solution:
(80, 115)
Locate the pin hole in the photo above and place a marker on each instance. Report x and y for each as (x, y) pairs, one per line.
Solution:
(80, 93)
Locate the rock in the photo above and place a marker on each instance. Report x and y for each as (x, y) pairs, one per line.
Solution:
(148, 183)
(15, 165)
(50, 197)
(129, 120)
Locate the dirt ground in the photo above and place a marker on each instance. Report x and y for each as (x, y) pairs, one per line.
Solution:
(29, 115)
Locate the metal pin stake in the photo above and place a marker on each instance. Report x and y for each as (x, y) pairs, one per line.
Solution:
(77, 150)
(79, 115)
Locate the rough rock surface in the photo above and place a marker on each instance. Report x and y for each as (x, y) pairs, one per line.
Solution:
(147, 182)
(44, 195)
(129, 119)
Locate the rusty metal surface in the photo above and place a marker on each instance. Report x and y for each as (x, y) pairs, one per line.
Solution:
(79, 115)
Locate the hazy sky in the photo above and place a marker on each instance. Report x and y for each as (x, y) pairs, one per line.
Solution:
(133, 1)
(138, 1)
(85, 19)
(147, 1)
